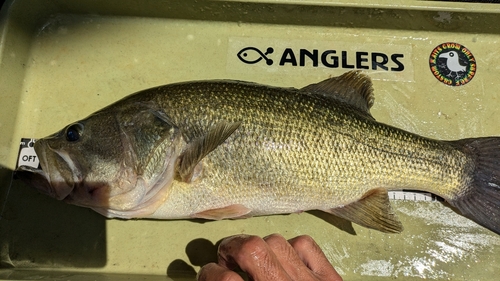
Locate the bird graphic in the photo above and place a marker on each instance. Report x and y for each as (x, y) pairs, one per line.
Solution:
(452, 62)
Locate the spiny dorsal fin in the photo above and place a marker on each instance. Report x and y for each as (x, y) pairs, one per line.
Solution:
(373, 210)
(353, 87)
(200, 147)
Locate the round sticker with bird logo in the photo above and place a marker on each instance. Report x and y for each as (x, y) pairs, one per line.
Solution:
(452, 64)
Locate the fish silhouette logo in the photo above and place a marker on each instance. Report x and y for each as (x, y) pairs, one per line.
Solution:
(252, 55)
(452, 64)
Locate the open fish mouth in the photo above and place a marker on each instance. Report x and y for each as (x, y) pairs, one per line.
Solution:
(49, 180)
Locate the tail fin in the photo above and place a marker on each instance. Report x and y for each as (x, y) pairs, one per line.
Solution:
(481, 203)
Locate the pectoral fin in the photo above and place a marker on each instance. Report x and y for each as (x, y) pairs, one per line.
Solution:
(373, 210)
(228, 212)
(200, 147)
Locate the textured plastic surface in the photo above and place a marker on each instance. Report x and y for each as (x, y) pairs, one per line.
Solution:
(61, 60)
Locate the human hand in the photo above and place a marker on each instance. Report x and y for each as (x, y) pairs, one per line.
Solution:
(270, 258)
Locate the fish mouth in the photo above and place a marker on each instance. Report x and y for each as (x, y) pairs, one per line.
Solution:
(56, 178)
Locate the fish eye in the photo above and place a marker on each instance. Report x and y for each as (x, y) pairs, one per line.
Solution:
(73, 132)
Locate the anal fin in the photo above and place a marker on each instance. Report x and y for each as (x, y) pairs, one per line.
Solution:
(228, 212)
(373, 210)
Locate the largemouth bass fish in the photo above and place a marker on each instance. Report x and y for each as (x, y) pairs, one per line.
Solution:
(232, 149)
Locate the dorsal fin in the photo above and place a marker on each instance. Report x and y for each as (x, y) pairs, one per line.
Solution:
(353, 87)
(200, 147)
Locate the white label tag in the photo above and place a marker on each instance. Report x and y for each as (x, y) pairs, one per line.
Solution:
(27, 155)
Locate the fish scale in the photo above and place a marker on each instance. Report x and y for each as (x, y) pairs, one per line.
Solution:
(232, 149)
(297, 162)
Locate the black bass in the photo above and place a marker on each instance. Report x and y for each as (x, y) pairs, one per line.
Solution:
(232, 149)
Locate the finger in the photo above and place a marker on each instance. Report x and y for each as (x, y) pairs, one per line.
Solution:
(215, 272)
(288, 258)
(253, 255)
(313, 257)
